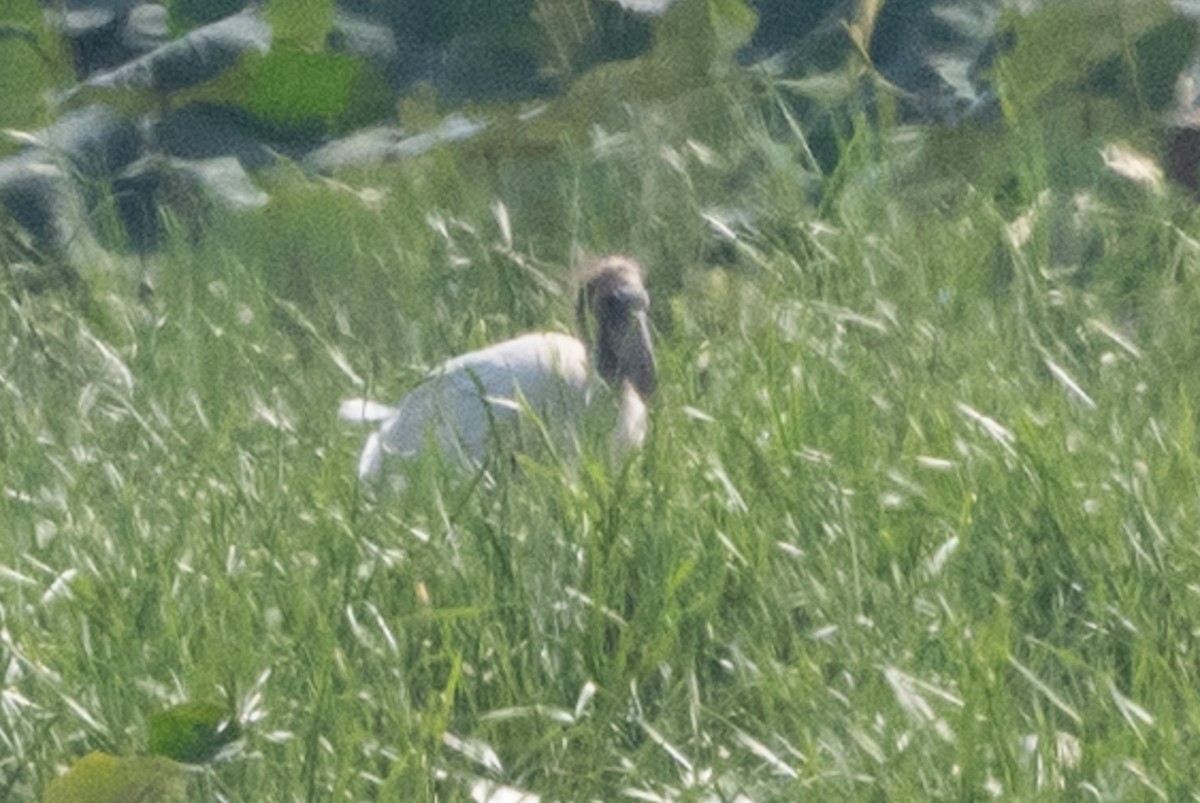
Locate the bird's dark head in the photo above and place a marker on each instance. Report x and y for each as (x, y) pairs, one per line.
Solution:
(612, 310)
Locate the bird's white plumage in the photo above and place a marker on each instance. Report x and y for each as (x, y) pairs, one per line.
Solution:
(473, 403)
(630, 431)
(463, 402)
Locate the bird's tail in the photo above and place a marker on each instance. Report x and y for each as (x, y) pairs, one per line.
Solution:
(371, 461)
(364, 411)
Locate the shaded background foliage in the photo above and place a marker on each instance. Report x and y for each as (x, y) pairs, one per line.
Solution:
(175, 105)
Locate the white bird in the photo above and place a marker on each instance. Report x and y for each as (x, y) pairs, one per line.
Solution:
(467, 405)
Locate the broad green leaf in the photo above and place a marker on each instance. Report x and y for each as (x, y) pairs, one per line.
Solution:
(583, 33)
(224, 180)
(194, 59)
(32, 64)
(297, 91)
(301, 22)
(37, 185)
(192, 732)
(1082, 73)
(385, 143)
(934, 50)
(91, 17)
(102, 778)
(1150, 72)
(208, 131)
(96, 141)
(694, 41)
(732, 24)
(695, 37)
(32, 194)
(1060, 43)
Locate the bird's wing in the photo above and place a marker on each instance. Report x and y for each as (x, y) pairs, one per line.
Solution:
(525, 359)
(461, 401)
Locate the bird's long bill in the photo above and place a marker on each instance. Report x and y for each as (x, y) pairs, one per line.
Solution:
(636, 356)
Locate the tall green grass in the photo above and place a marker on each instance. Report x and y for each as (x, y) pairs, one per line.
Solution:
(917, 518)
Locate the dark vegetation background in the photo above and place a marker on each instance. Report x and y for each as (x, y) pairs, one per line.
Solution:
(174, 105)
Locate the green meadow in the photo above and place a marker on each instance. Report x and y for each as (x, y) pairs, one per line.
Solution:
(918, 517)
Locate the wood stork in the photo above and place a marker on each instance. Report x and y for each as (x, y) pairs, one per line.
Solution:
(463, 405)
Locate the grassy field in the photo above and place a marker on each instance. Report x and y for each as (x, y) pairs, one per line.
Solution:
(918, 518)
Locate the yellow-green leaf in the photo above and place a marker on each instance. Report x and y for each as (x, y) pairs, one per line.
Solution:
(303, 22)
(101, 778)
